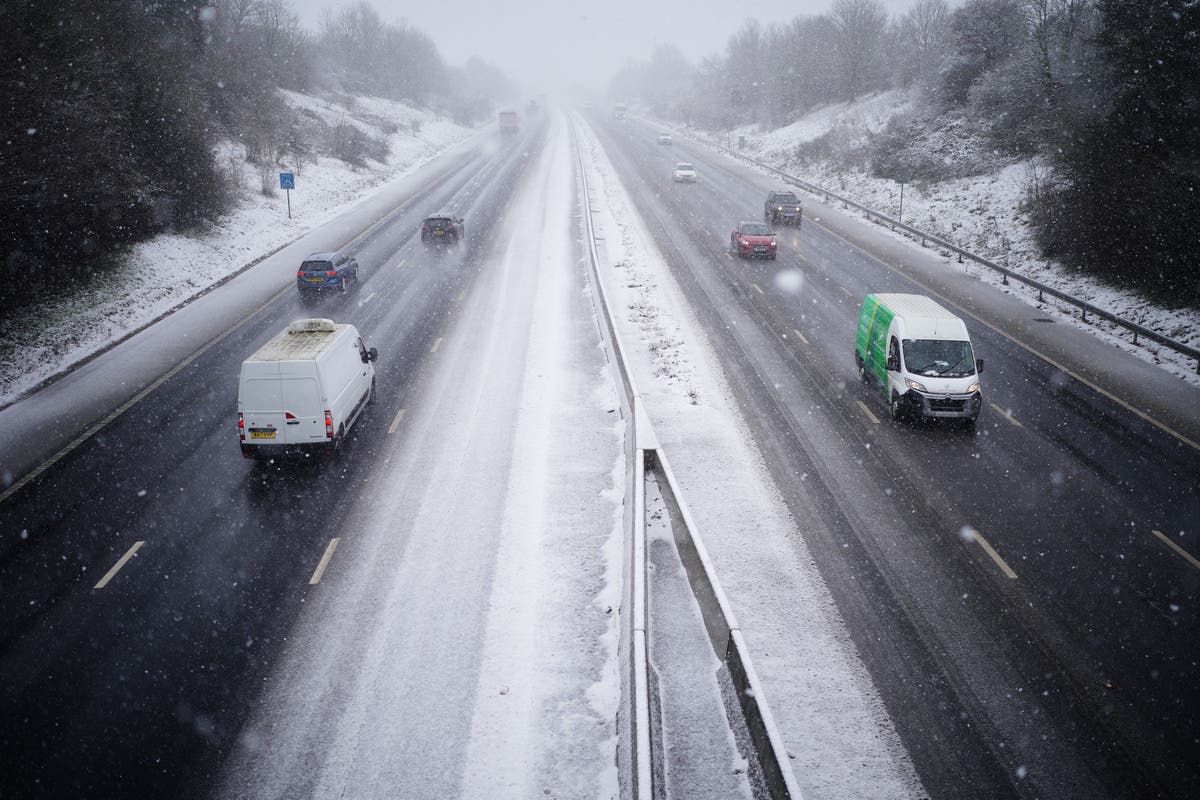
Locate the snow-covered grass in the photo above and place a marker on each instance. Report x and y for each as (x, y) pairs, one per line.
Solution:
(158, 275)
(981, 214)
(834, 723)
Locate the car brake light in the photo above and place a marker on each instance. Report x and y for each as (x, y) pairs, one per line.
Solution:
(328, 424)
(241, 427)
(331, 274)
(299, 273)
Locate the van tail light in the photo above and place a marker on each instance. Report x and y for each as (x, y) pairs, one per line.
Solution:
(328, 424)
(241, 427)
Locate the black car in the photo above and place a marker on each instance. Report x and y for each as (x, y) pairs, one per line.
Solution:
(783, 207)
(443, 229)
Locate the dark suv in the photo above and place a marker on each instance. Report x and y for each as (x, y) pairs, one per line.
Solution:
(443, 229)
(326, 271)
(782, 207)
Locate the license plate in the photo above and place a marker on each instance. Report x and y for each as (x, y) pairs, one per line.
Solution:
(438, 231)
(317, 279)
(760, 249)
(262, 434)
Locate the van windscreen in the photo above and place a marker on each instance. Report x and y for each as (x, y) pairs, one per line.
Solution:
(939, 357)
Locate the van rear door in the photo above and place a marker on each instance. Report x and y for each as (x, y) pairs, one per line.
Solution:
(262, 409)
(303, 413)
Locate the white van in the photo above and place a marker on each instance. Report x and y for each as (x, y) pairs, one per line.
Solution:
(920, 356)
(304, 389)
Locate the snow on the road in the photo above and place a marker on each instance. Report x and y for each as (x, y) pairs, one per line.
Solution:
(834, 723)
(158, 275)
(463, 641)
(981, 214)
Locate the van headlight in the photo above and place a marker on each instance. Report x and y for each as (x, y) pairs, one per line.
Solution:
(917, 385)
(973, 388)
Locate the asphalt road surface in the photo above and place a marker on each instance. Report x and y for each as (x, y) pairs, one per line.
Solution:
(1011, 590)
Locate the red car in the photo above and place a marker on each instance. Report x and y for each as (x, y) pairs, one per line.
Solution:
(753, 240)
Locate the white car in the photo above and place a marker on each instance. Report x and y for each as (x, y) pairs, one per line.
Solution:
(684, 173)
(664, 138)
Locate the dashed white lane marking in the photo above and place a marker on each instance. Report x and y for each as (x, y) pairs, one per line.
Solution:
(396, 422)
(1000, 562)
(436, 345)
(847, 291)
(367, 299)
(1184, 554)
(112, 573)
(867, 411)
(320, 570)
(801, 335)
(400, 264)
(1006, 414)
(758, 288)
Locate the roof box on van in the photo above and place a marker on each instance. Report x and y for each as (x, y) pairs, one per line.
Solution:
(315, 325)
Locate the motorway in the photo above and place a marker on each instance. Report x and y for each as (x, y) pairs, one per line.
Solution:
(1025, 597)
(179, 620)
(434, 609)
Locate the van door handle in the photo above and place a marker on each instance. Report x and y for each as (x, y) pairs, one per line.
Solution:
(293, 422)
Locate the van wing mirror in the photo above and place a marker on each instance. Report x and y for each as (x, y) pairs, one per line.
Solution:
(979, 365)
(372, 354)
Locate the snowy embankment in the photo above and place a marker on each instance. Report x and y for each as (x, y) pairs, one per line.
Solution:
(981, 214)
(158, 275)
(833, 721)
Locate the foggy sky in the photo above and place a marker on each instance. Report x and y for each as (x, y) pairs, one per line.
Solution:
(551, 44)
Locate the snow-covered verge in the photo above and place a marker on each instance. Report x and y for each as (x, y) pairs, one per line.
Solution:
(158, 275)
(834, 723)
(981, 214)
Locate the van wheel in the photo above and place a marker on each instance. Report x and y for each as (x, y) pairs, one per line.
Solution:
(897, 408)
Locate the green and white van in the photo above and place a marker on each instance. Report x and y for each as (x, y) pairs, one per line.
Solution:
(920, 356)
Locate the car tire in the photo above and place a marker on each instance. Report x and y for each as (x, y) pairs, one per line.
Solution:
(342, 284)
(896, 407)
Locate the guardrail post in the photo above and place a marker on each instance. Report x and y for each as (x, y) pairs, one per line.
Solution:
(1040, 298)
(1135, 337)
(960, 258)
(1004, 278)
(1083, 313)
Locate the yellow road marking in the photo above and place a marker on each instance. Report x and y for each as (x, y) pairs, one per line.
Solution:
(1000, 562)
(367, 299)
(759, 288)
(396, 421)
(108, 576)
(1006, 414)
(867, 411)
(1104, 392)
(436, 345)
(801, 335)
(1188, 557)
(316, 576)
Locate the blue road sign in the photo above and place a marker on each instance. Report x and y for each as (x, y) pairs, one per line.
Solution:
(287, 180)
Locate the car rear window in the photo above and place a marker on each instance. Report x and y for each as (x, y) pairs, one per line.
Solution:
(786, 198)
(316, 266)
(438, 221)
(756, 229)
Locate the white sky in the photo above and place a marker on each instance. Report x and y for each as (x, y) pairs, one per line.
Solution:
(550, 44)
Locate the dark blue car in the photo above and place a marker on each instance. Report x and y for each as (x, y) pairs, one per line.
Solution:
(326, 271)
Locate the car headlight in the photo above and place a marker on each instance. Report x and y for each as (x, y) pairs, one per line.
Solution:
(973, 388)
(920, 387)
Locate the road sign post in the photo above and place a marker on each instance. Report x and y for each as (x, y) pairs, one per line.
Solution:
(287, 182)
(902, 178)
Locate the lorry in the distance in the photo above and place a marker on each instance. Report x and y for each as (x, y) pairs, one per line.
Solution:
(508, 122)
(620, 110)
(304, 390)
(919, 355)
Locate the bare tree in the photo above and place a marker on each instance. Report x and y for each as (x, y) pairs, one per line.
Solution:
(861, 42)
(923, 39)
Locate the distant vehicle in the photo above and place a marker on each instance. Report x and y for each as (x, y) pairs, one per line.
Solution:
(326, 271)
(782, 207)
(664, 138)
(920, 356)
(620, 110)
(684, 173)
(508, 122)
(753, 240)
(444, 228)
(304, 389)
